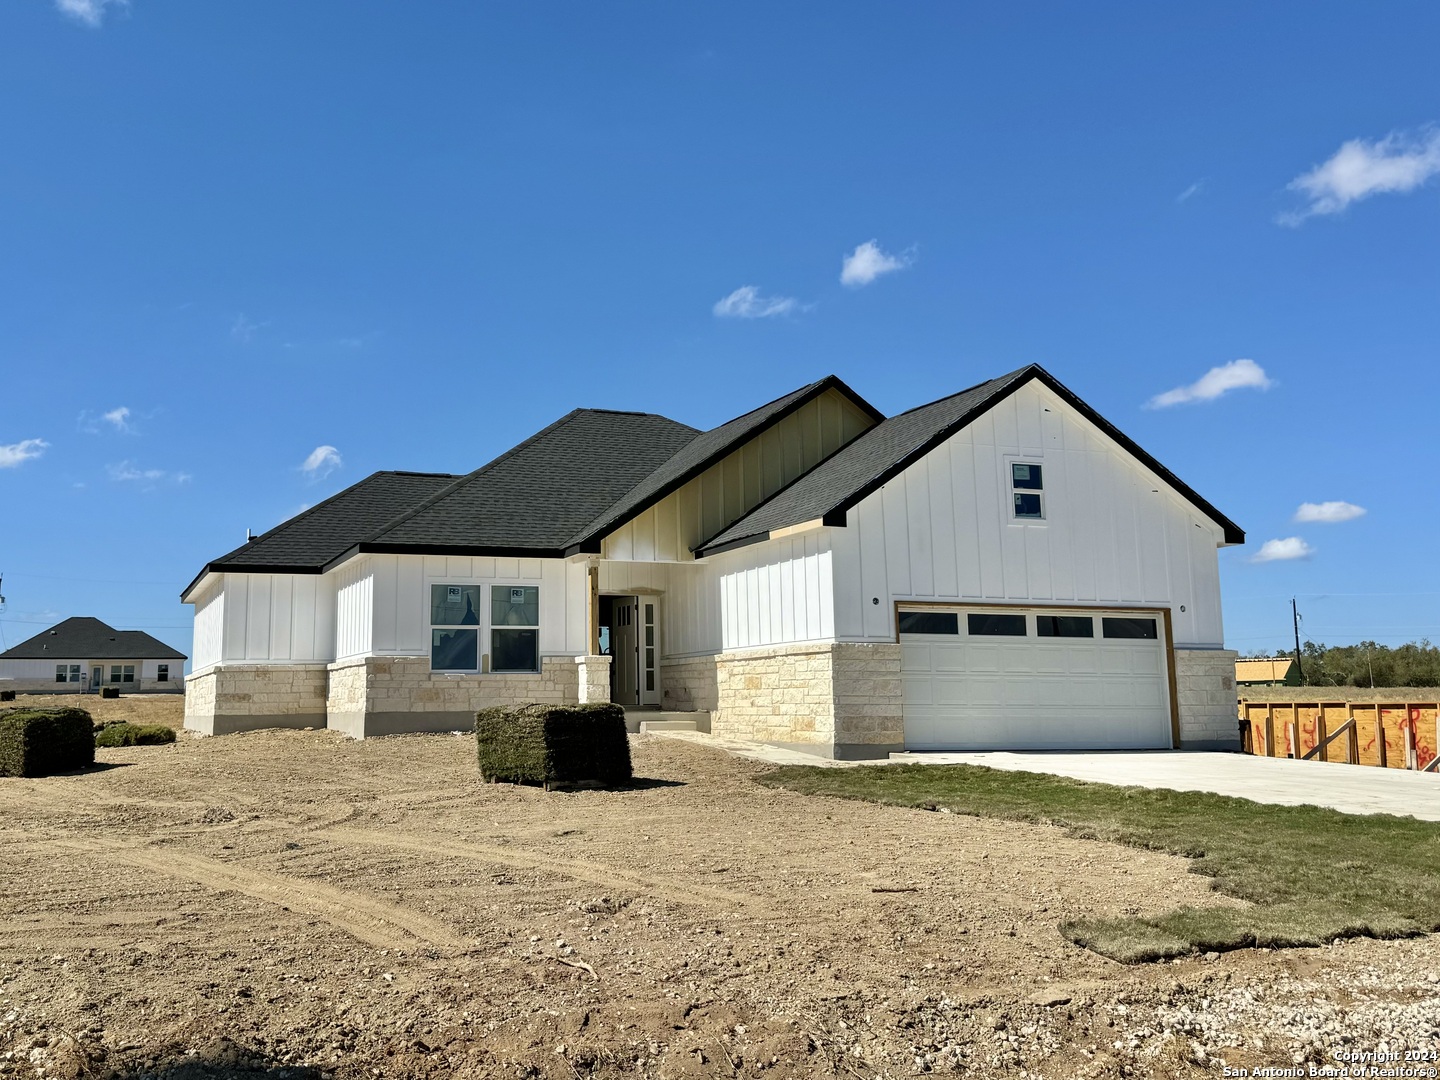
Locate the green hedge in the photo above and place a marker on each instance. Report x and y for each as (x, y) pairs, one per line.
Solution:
(38, 742)
(122, 733)
(550, 744)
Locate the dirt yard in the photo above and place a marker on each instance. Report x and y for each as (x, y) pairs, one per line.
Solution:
(295, 904)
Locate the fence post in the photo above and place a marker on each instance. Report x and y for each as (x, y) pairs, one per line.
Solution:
(1270, 731)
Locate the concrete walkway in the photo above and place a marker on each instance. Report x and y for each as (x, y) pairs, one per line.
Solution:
(1351, 789)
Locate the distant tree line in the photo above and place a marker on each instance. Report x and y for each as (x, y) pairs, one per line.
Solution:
(1369, 664)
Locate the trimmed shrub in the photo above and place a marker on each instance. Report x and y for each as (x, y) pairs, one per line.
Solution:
(110, 691)
(122, 733)
(553, 744)
(38, 742)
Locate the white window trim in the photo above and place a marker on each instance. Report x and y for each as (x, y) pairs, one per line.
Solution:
(1007, 481)
(488, 643)
(479, 627)
(484, 626)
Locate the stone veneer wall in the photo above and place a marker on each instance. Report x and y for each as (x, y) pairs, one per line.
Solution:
(1205, 689)
(868, 699)
(387, 695)
(688, 684)
(835, 699)
(242, 697)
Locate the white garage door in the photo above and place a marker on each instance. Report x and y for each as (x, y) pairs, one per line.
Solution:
(1034, 679)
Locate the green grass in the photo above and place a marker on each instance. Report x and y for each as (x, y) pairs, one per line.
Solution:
(127, 734)
(1313, 874)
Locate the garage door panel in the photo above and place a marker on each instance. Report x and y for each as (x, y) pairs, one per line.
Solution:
(984, 692)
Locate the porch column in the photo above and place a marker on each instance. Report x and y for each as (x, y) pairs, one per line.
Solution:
(592, 610)
(594, 669)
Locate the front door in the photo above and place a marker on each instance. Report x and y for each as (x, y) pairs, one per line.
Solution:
(97, 678)
(635, 650)
(624, 646)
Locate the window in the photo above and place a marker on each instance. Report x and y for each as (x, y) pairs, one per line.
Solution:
(122, 673)
(162, 673)
(1064, 626)
(74, 673)
(1129, 628)
(929, 622)
(514, 628)
(1025, 479)
(60, 670)
(987, 625)
(455, 627)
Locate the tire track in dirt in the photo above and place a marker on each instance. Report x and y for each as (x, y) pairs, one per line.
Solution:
(373, 921)
(596, 873)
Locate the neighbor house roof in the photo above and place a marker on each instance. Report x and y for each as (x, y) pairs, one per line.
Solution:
(866, 464)
(84, 638)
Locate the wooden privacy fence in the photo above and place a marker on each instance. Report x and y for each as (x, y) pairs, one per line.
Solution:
(1393, 736)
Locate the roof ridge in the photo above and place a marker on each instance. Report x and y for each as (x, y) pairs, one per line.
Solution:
(971, 389)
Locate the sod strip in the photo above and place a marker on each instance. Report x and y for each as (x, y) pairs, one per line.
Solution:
(1313, 874)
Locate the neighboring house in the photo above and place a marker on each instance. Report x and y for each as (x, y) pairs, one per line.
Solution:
(82, 654)
(1266, 671)
(999, 568)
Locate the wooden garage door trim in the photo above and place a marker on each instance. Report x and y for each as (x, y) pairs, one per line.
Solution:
(1029, 605)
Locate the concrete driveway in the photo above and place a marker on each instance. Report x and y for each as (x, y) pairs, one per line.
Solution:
(1351, 789)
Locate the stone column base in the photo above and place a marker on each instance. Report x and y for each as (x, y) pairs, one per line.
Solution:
(594, 678)
(1205, 691)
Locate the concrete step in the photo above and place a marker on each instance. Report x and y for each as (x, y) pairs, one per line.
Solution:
(657, 720)
(647, 726)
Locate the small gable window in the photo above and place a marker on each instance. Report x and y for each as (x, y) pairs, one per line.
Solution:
(1028, 486)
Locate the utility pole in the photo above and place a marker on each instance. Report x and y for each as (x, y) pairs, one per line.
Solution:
(1295, 617)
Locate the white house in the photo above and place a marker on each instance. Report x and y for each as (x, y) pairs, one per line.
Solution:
(81, 655)
(1001, 568)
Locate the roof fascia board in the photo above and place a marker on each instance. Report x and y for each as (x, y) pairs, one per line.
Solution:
(373, 547)
(830, 382)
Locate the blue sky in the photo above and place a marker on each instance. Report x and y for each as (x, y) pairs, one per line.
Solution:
(235, 234)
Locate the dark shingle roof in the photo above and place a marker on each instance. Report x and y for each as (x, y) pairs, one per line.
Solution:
(84, 638)
(704, 451)
(866, 464)
(536, 496)
(309, 540)
(529, 500)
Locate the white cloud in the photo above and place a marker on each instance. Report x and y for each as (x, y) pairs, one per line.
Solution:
(1360, 168)
(323, 460)
(747, 303)
(1292, 547)
(89, 12)
(243, 329)
(21, 452)
(867, 262)
(1329, 512)
(119, 418)
(127, 472)
(1236, 375)
(1191, 191)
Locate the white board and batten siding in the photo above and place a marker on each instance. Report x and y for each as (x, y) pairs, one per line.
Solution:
(737, 483)
(383, 601)
(943, 530)
(264, 619)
